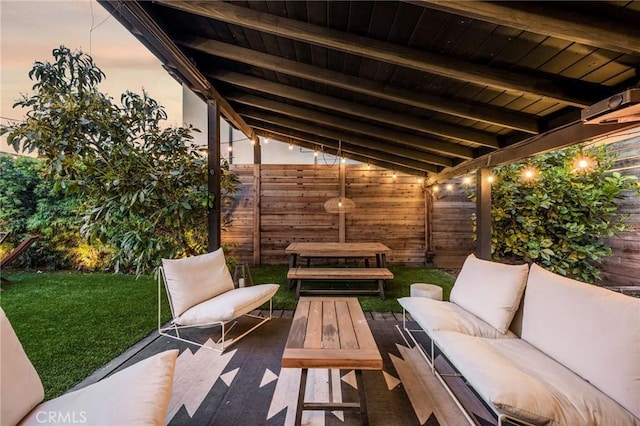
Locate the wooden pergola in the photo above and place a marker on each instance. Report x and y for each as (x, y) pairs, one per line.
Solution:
(432, 88)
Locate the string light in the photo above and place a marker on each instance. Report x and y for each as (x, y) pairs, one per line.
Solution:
(583, 163)
(253, 141)
(343, 160)
(436, 188)
(466, 180)
(449, 187)
(266, 141)
(420, 180)
(315, 153)
(229, 148)
(529, 174)
(394, 175)
(491, 178)
(290, 147)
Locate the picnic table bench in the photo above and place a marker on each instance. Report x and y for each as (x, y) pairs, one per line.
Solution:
(380, 275)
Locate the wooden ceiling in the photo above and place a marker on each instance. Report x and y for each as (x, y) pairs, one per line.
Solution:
(426, 87)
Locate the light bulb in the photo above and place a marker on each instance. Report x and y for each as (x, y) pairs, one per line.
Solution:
(343, 160)
(449, 187)
(466, 180)
(290, 147)
(315, 153)
(229, 148)
(266, 141)
(436, 188)
(491, 179)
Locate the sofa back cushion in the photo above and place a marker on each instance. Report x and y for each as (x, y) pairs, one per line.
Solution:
(591, 330)
(21, 388)
(193, 280)
(489, 290)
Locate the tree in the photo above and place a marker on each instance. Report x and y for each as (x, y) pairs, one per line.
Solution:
(558, 217)
(142, 187)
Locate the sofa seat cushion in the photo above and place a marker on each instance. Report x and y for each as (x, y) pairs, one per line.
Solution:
(519, 380)
(591, 330)
(228, 306)
(434, 315)
(491, 291)
(137, 395)
(20, 385)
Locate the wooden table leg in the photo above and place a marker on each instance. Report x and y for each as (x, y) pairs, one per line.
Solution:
(293, 260)
(363, 401)
(303, 386)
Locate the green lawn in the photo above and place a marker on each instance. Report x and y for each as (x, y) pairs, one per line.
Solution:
(71, 324)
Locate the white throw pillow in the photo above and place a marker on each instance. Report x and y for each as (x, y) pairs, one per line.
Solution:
(491, 291)
(20, 385)
(193, 280)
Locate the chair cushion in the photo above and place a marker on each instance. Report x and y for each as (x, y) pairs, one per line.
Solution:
(229, 305)
(20, 385)
(523, 382)
(491, 291)
(136, 395)
(193, 280)
(435, 315)
(591, 330)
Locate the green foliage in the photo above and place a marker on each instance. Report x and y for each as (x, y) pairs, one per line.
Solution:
(30, 206)
(559, 219)
(143, 188)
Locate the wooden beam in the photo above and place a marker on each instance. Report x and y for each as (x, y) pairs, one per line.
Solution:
(469, 110)
(355, 141)
(214, 217)
(420, 60)
(547, 20)
(483, 214)
(160, 44)
(338, 122)
(571, 134)
(330, 146)
(311, 98)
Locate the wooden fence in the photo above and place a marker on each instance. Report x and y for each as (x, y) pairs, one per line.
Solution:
(388, 209)
(395, 211)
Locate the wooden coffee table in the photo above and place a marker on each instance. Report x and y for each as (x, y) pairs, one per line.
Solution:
(331, 332)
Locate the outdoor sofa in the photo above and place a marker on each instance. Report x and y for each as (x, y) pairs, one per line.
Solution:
(537, 347)
(137, 395)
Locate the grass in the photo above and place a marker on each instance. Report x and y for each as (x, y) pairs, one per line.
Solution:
(70, 324)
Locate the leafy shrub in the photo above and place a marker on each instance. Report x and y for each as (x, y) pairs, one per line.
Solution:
(142, 188)
(558, 219)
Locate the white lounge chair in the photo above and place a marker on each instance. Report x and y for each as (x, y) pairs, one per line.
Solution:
(138, 394)
(201, 293)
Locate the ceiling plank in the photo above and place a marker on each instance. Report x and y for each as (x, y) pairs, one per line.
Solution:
(316, 142)
(484, 113)
(351, 108)
(386, 52)
(169, 54)
(359, 143)
(543, 19)
(345, 124)
(572, 134)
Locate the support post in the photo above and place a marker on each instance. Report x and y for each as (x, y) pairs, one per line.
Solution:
(342, 219)
(214, 221)
(483, 214)
(257, 204)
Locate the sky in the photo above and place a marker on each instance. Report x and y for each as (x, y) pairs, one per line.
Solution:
(30, 30)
